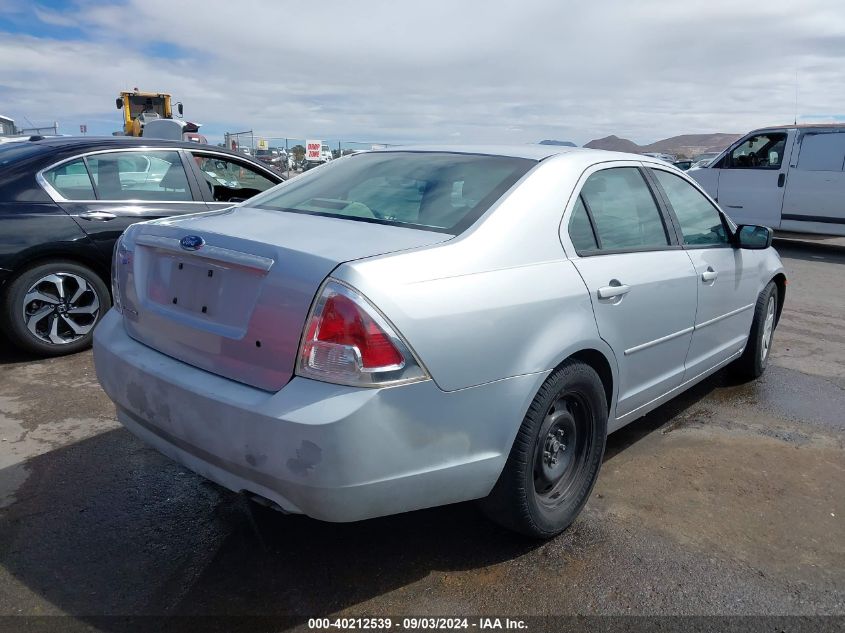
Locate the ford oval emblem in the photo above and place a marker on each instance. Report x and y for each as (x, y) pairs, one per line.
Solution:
(191, 242)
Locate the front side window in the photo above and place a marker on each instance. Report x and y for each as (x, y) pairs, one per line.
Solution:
(434, 190)
(71, 180)
(701, 223)
(623, 211)
(228, 180)
(761, 151)
(822, 152)
(145, 175)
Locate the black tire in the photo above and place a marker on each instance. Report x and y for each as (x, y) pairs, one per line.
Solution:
(74, 322)
(536, 494)
(754, 359)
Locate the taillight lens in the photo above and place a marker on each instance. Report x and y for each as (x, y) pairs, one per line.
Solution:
(347, 341)
(122, 256)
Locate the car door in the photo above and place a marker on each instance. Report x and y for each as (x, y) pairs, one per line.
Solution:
(815, 188)
(726, 276)
(752, 178)
(225, 180)
(107, 191)
(641, 282)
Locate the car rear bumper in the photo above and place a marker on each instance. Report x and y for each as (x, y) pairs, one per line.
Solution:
(332, 452)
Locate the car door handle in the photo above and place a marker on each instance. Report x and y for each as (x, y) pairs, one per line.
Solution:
(709, 275)
(613, 290)
(781, 179)
(97, 216)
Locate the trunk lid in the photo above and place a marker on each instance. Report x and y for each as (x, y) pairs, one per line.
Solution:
(237, 305)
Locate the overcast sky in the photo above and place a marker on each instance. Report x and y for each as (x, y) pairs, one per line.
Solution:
(440, 70)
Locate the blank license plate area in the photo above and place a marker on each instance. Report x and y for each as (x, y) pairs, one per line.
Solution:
(206, 289)
(187, 286)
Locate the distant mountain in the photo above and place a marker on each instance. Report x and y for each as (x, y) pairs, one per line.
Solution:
(615, 144)
(686, 144)
(563, 143)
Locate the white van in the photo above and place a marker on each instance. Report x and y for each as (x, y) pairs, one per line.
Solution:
(789, 178)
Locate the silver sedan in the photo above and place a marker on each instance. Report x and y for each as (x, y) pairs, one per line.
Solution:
(407, 328)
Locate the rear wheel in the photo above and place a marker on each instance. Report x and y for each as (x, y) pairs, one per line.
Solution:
(555, 459)
(51, 308)
(755, 358)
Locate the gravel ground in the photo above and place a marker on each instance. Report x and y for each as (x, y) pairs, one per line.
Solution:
(728, 500)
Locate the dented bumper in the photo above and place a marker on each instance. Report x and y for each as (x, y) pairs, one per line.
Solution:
(332, 452)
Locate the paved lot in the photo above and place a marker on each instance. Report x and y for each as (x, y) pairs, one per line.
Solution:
(728, 500)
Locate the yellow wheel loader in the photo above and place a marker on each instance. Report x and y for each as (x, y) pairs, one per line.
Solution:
(139, 108)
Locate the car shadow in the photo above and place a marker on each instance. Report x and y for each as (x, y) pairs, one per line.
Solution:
(810, 251)
(10, 355)
(664, 415)
(107, 526)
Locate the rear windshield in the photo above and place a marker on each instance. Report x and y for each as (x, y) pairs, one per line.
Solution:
(436, 191)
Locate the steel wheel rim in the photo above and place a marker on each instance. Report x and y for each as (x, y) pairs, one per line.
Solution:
(768, 329)
(561, 453)
(60, 308)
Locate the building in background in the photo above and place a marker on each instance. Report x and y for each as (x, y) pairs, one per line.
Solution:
(7, 126)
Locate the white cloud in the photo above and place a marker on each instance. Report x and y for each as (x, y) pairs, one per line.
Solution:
(54, 18)
(480, 71)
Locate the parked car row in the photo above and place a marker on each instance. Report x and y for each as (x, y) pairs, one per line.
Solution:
(703, 160)
(64, 202)
(684, 164)
(666, 158)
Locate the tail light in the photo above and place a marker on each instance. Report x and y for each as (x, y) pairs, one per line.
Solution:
(348, 341)
(122, 256)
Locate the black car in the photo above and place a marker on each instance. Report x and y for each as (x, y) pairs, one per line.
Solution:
(64, 202)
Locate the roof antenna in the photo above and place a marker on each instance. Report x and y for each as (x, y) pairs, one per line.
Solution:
(796, 98)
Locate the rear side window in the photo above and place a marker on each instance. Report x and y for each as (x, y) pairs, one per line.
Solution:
(822, 152)
(145, 175)
(71, 180)
(581, 229)
(623, 211)
(700, 222)
(432, 190)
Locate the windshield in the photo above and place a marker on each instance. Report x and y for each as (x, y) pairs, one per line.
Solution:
(139, 104)
(436, 191)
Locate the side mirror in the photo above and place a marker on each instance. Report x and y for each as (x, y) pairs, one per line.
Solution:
(179, 108)
(753, 236)
(119, 103)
